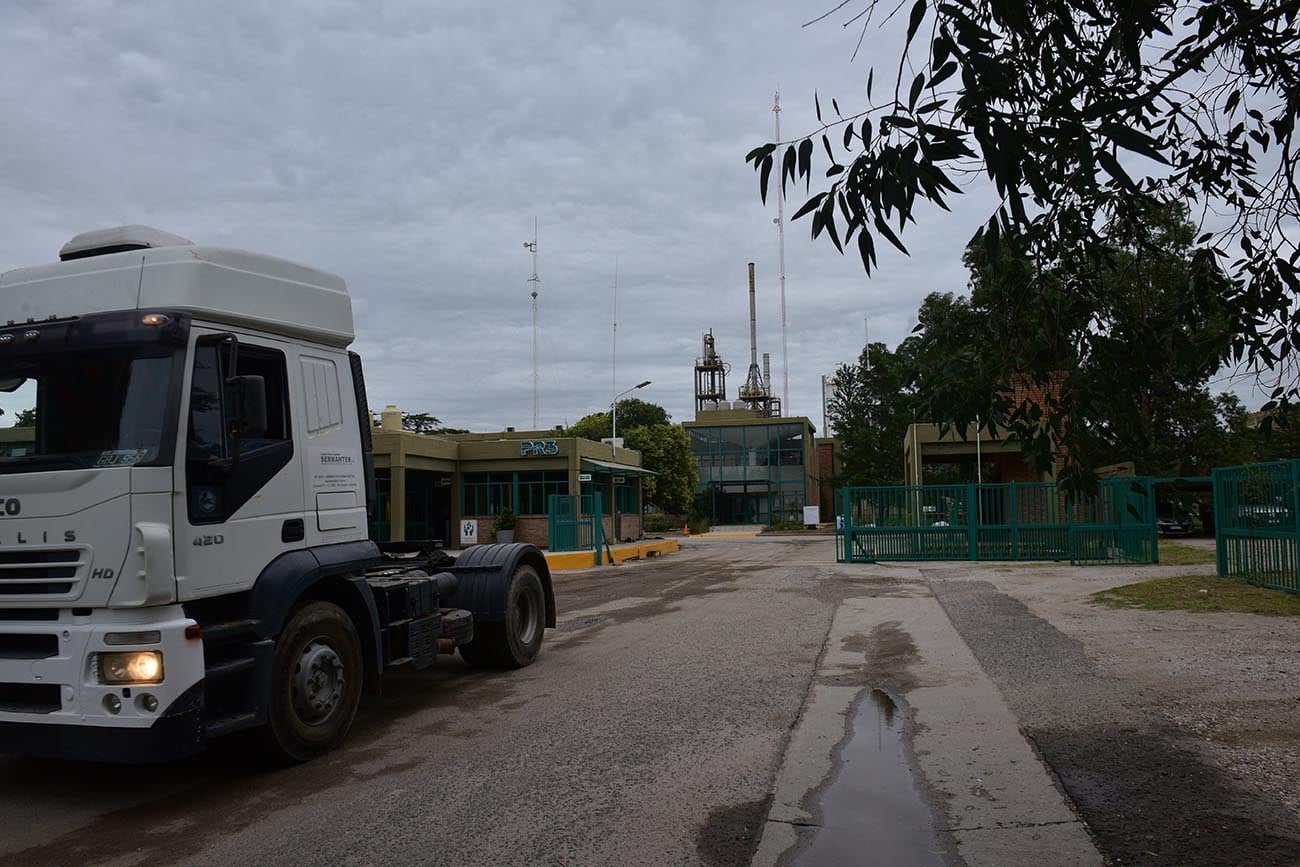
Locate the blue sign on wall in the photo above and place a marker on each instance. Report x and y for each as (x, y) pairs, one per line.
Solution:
(534, 448)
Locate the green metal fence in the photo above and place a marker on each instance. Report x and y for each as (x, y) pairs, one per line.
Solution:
(1017, 521)
(574, 522)
(1257, 523)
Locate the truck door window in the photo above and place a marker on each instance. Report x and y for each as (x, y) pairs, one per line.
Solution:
(218, 482)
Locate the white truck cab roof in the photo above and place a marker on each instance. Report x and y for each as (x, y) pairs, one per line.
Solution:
(136, 267)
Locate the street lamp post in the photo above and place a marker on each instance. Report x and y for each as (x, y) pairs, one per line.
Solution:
(614, 406)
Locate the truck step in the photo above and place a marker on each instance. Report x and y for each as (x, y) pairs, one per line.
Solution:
(224, 725)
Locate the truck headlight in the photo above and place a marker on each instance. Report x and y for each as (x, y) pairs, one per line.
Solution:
(129, 669)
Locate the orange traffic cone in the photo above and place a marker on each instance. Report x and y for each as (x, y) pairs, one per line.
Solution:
(686, 529)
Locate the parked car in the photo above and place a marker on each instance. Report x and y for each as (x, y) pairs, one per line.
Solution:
(1174, 523)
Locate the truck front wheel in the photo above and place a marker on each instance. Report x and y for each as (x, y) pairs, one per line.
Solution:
(316, 679)
(516, 641)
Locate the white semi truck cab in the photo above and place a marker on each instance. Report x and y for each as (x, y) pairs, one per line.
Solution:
(185, 479)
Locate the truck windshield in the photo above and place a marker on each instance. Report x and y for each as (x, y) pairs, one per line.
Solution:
(94, 408)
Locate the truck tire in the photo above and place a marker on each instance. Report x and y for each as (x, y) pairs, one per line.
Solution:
(316, 679)
(516, 641)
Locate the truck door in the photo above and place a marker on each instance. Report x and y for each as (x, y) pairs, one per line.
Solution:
(334, 477)
(239, 500)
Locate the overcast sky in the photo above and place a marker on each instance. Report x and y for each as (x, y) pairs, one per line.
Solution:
(408, 147)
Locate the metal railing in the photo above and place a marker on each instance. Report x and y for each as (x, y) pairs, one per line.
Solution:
(1257, 523)
(1016, 521)
(574, 522)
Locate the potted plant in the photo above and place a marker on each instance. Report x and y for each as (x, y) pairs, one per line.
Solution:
(504, 523)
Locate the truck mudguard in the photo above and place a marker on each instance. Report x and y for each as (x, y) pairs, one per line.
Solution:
(291, 575)
(483, 576)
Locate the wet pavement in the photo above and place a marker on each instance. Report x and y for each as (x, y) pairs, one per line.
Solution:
(871, 811)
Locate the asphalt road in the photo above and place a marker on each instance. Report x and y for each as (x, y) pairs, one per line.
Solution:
(649, 731)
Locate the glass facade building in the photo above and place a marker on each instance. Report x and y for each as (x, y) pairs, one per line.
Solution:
(752, 471)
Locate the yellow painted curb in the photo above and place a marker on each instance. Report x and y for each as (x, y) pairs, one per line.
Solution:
(587, 559)
(725, 536)
(571, 560)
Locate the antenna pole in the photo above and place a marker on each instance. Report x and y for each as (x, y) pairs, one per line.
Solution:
(780, 241)
(536, 282)
(613, 367)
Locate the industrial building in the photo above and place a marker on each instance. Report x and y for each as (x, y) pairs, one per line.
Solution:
(755, 464)
(430, 486)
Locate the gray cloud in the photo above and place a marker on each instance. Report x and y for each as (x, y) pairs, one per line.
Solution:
(408, 147)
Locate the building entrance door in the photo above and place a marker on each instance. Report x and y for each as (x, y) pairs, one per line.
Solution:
(742, 503)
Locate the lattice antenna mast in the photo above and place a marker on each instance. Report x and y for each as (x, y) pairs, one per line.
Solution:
(536, 282)
(780, 242)
(613, 366)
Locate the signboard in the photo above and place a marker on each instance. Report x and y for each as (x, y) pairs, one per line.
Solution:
(469, 532)
(618, 480)
(812, 516)
(584, 477)
(534, 448)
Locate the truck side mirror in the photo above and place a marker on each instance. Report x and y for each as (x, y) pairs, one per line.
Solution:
(246, 405)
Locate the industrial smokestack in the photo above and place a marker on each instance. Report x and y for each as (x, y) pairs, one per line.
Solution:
(753, 320)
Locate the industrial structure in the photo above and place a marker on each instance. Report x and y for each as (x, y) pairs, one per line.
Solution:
(756, 465)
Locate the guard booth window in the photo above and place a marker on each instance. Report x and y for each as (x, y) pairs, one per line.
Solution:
(217, 483)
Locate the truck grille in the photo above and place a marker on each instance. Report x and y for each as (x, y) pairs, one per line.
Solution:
(28, 646)
(30, 698)
(55, 572)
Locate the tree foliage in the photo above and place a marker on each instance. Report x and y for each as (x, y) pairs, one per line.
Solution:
(666, 451)
(25, 417)
(872, 403)
(1086, 116)
(424, 423)
(632, 412)
(664, 447)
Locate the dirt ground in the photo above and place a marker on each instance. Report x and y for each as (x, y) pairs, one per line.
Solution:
(1217, 690)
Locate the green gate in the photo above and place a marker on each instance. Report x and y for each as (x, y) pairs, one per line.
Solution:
(1016, 521)
(574, 522)
(1256, 529)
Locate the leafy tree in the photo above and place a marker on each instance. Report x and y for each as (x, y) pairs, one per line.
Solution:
(631, 413)
(1086, 115)
(25, 417)
(871, 406)
(424, 423)
(666, 451)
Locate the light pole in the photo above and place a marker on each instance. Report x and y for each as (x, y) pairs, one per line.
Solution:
(613, 435)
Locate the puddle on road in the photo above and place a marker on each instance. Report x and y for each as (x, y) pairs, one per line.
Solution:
(872, 811)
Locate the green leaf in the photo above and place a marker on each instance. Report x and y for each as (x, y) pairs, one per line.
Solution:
(883, 228)
(1115, 170)
(763, 176)
(866, 249)
(918, 15)
(788, 166)
(810, 205)
(943, 73)
(805, 161)
(870, 74)
(759, 153)
(917, 84)
(1134, 140)
(817, 104)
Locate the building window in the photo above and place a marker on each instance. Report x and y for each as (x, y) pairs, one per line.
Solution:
(536, 488)
(487, 493)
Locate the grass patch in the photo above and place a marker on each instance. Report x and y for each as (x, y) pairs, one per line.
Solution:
(1174, 554)
(1200, 593)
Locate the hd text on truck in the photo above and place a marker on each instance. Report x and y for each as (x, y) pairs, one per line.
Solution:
(185, 478)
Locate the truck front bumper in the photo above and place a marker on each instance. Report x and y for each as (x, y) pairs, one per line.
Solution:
(53, 704)
(174, 735)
